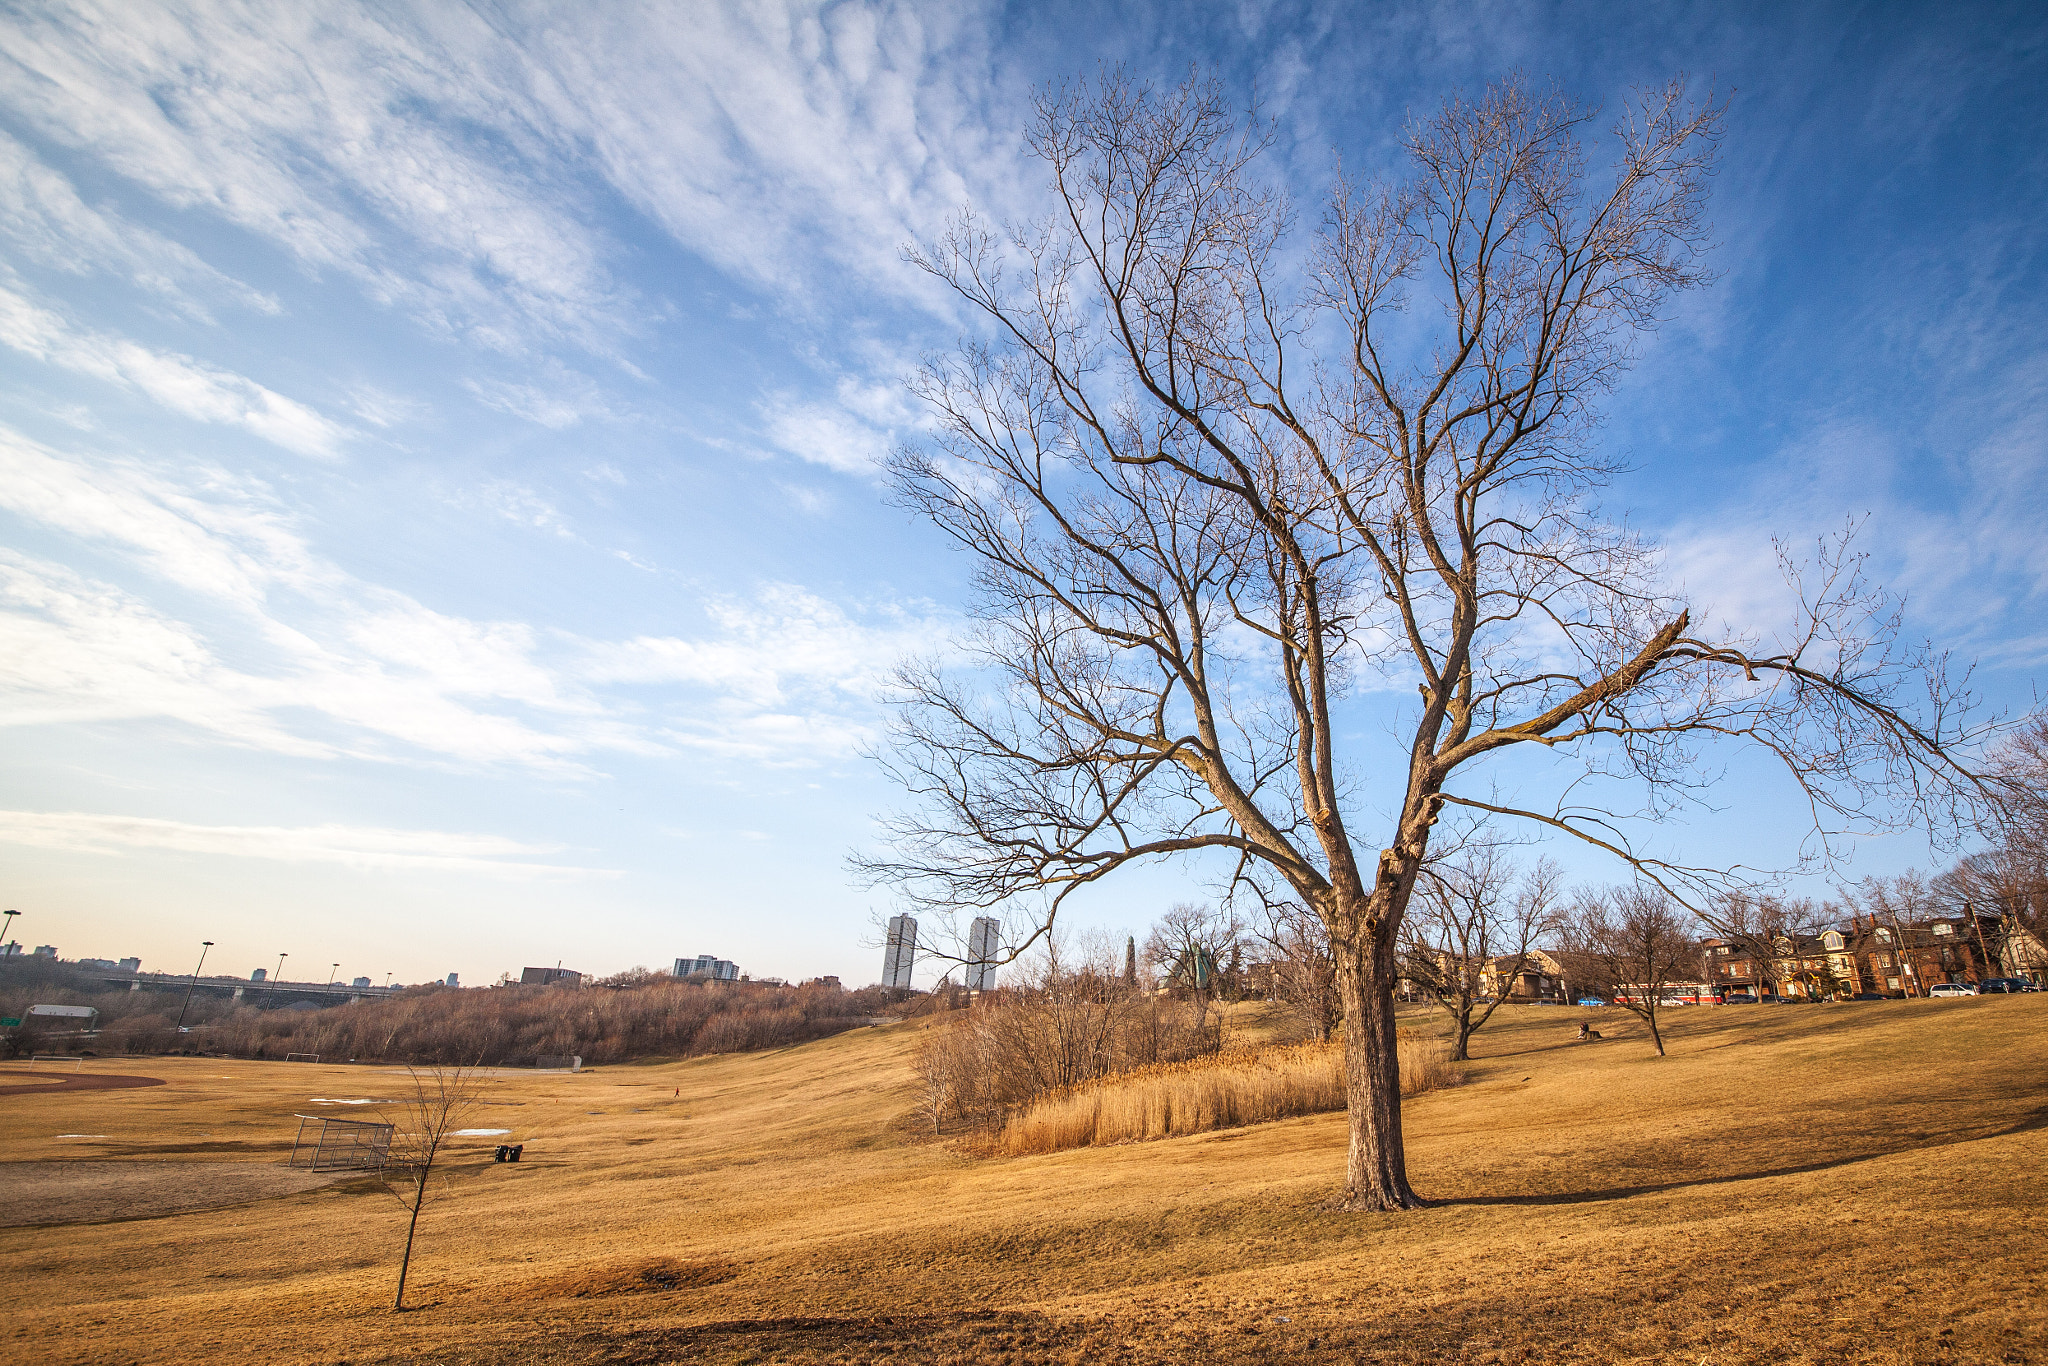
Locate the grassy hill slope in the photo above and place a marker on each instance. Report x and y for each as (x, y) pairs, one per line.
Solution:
(1852, 1182)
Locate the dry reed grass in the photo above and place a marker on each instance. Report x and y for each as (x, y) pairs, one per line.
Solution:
(1221, 1091)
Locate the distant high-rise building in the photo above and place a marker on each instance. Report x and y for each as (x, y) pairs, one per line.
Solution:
(360, 982)
(454, 979)
(901, 955)
(45, 951)
(131, 965)
(259, 974)
(707, 965)
(1130, 960)
(549, 976)
(984, 942)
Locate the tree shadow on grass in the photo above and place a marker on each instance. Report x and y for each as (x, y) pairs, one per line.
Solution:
(2028, 1121)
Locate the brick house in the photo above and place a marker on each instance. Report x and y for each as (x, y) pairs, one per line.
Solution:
(1864, 956)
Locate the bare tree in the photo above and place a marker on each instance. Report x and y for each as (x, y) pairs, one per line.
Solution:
(1894, 905)
(1196, 947)
(1771, 932)
(1302, 974)
(1630, 945)
(1472, 927)
(2009, 877)
(442, 1101)
(1211, 490)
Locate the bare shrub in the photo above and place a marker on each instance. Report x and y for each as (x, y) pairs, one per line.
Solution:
(980, 1065)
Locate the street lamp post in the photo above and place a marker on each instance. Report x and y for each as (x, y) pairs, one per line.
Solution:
(204, 945)
(330, 973)
(8, 936)
(278, 976)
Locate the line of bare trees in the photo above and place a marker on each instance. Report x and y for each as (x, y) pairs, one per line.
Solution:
(632, 1016)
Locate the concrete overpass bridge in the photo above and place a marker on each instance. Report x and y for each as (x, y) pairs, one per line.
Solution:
(262, 995)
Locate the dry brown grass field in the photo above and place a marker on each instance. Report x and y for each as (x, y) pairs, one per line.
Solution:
(1842, 1183)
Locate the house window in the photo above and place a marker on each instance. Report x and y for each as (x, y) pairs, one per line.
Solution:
(1944, 929)
(1892, 983)
(1833, 939)
(1884, 936)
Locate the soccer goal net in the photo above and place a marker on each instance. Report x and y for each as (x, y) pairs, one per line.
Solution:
(302, 1057)
(333, 1145)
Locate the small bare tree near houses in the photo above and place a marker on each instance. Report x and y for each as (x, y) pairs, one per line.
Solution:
(442, 1100)
(1471, 931)
(1630, 944)
(1197, 948)
(1301, 975)
(1770, 932)
(2008, 878)
(1214, 484)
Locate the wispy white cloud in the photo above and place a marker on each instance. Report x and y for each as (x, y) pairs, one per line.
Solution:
(823, 435)
(45, 221)
(74, 650)
(544, 407)
(371, 848)
(792, 144)
(199, 391)
(426, 152)
(778, 642)
(280, 649)
(337, 135)
(523, 507)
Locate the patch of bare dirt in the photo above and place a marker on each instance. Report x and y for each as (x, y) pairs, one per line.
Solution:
(644, 1275)
(33, 1083)
(94, 1192)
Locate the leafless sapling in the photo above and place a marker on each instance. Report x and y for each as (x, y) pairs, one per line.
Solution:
(1630, 944)
(1471, 932)
(441, 1100)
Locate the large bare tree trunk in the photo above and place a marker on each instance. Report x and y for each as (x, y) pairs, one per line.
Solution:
(1376, 1171)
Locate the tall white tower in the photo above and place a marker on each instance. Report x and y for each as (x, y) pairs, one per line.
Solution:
(901, 955)
(984, 942)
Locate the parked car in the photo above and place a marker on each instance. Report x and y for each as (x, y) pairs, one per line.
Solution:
(1591, 1001)
(1733, 1000)
(1950, 990)
(1673, 1001)
(1869, 996)
(2005, 986)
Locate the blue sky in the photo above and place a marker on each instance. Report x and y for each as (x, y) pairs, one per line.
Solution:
(438, 528)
